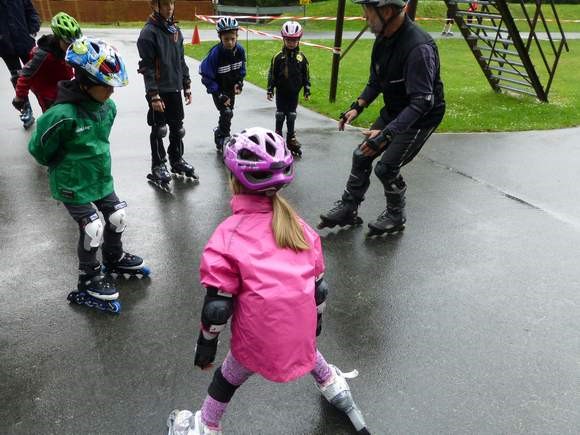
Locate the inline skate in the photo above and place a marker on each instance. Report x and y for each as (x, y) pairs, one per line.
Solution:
(390, 221)
(160, 177)
(294, 146)
(337, 392)
(127, 266)
(183, 170)
(26, 116)
(186, 423)
(96, 290)
(343, 213)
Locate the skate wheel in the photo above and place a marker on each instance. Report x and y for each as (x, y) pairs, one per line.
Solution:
(115, 307)
(146, 271)
(127, 275)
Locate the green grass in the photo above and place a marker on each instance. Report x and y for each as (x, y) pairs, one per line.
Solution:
(471, 104)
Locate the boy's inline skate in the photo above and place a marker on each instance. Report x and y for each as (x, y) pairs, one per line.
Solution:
(183, 170)
(26, 116)
(160, 177)
(96, 290)
(342, 214)
(337, 392)
(220, 139)
(127, 266)
(186, 423)
(389, 222)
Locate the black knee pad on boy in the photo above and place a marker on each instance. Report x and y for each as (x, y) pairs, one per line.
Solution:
(220, 389)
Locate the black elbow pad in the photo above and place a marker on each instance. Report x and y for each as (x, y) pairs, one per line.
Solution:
(422, 104)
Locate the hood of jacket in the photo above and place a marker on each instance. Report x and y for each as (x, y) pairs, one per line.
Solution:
(69, 91)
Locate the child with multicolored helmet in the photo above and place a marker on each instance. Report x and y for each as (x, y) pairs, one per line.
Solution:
(222, 72)
(166, 74)
(287, 76)
(47, 66)
(263, 267)
(72, 140)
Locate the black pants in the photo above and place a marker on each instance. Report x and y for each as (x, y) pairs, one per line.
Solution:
(397, 154)
(226, 113)
(172, 117)
(14, 63)
(112, 245)
(286, 104)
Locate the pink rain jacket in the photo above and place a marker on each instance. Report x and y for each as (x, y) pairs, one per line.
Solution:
(274, 320)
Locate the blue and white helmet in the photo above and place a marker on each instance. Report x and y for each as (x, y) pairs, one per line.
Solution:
(98, 62)
(225, 24)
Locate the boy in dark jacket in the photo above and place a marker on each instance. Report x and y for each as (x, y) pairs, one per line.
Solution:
(19, 23)
(166, 74)
(46, 66)
(72, 139)
(222, 72)
(288, 75)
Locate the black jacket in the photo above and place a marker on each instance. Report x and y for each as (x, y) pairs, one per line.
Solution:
(18, 20)
(162, 58)
(289, 73)
(404, 66)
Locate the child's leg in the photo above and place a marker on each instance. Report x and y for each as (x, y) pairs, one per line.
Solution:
(280, 113)
(321, 371)
(90, 236)
(174, 116)
(227, 378)
(291, 114)
(113, 210)
(157, 122)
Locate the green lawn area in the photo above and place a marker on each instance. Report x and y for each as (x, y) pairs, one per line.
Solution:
(471, 103)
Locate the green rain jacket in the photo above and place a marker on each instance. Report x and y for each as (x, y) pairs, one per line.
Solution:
(72, 139)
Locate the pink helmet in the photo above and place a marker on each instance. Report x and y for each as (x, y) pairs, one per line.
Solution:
(259, 159)
(291, 29)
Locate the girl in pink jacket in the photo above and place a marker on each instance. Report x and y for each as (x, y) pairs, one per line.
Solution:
(263, 265)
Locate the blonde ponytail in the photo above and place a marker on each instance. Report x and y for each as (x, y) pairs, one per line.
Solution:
(286, 227)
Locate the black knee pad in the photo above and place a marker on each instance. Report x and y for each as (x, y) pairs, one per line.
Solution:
(291, 116)
(360, 161)
(159, 130)
(386, 173)
(227, 114)
(280, 116)
(220, 389)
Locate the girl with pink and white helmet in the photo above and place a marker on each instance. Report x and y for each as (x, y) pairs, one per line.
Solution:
(288, 74)
(262, 267)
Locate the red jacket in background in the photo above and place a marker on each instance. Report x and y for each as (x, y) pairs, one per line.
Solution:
(43, 71)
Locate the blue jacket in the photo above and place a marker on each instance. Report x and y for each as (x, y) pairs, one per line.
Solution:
(222, 69)
(18, 20)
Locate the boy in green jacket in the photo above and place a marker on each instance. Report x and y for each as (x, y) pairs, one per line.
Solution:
(72, 139)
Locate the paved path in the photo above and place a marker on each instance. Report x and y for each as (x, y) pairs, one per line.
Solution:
(466, 323)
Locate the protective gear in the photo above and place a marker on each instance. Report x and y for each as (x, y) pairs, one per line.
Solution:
(280, 117)
(290, 122)
(181, 132)
(259, 159)
(381, 3)
(223, 98)
(217, 309)
(227, 114)
(292, 30)
(92, 231)
(225, 24)
(220, 389)
(160, 131)
(359, 109)
(65, 27)
(98, 62)
(118, 219)
(380, 141)
(320, 295)
(19, 104)
(182, 422)
(422, 104)
(205, 350)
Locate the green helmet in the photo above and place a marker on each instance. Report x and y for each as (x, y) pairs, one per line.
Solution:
(65, 27)
(381, 3)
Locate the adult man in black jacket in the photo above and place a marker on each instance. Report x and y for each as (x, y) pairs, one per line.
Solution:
(18, 21)
(405, 69)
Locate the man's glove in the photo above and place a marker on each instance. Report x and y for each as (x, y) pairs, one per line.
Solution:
(306, 92)
(359, 109)
(270, 93)
(240, 85)
(187, 92)
(205, 350)
(380, 141)
(19, 104)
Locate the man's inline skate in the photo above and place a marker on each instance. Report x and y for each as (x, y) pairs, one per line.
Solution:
(96, 290)
(294, 146)
(160, 177)
(390, 221)
(127, 266)
(337, 392)
(220, 139)
(343, 213)
(186, 423)
(183, 170)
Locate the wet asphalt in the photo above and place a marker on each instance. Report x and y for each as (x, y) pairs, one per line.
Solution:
(468, 322)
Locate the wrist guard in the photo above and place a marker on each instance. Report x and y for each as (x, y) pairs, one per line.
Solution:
(380, 141)
(359, 109)
(205, 351)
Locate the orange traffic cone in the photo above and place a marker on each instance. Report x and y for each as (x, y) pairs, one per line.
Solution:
(195, 40)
